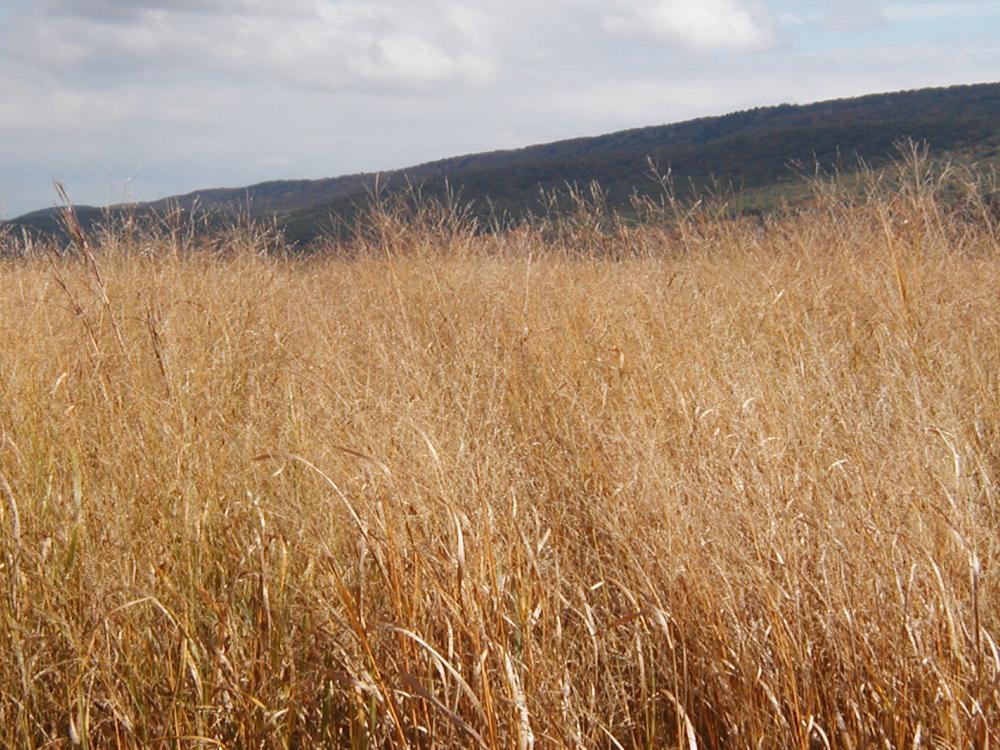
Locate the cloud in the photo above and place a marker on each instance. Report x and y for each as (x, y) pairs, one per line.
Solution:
(707, 25)
(119, 11)
(373, 44)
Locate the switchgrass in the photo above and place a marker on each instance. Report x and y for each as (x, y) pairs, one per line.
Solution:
(711, 483)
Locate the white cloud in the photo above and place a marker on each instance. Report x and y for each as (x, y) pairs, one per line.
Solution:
(120, 11)
(704, 26)
(409, 58)
(354, 43)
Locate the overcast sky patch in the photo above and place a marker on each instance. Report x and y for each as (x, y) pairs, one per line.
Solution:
(141, 98)
(703, 26)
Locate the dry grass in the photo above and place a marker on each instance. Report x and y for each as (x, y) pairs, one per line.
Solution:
(734, 487)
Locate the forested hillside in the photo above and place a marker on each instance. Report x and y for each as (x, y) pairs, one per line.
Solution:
(762, 152)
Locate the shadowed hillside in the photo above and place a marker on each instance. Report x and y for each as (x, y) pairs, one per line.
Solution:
(757, 151)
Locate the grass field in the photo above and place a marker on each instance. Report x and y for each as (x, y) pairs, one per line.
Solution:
(710, 484)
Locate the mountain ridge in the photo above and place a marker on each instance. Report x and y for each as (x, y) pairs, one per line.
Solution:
(749, 150)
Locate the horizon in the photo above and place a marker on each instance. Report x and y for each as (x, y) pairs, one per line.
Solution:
(136, 101)
(405, 167)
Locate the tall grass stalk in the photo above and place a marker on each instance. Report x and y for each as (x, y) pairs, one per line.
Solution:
(704, 483)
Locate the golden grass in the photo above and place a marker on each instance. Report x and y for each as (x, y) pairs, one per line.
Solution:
(736, 487)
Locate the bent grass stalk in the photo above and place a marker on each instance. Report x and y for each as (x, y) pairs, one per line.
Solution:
(728, 483)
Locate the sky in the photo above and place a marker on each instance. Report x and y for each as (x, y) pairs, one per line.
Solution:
(137, 100)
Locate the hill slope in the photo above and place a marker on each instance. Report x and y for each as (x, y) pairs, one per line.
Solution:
(750, 150)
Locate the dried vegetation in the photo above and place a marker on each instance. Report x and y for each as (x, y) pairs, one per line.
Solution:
(702, 483)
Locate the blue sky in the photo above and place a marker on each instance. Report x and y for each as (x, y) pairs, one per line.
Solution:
(146, 98)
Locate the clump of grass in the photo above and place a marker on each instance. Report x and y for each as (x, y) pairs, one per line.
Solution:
(699, 483)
